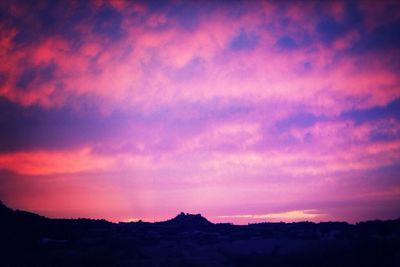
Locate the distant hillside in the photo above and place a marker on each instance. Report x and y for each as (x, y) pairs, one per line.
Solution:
(28, 239)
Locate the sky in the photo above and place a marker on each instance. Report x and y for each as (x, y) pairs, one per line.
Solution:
(243, 111)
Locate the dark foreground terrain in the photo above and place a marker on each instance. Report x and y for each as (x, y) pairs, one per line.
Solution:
(28, 239)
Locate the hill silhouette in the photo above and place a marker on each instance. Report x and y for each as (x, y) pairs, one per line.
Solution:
(188, 220)
(28, 239)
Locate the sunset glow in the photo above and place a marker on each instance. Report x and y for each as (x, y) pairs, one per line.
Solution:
(241, 111)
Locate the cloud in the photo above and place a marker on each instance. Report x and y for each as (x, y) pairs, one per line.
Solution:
(292, 101)
(112, 47)
(244, 41)
(108, 23)
(385, 36)
(34, 76)
(37, 128)
(287, 216)
(286, 42)
(43, 163)
(390, 110)
(298, 120)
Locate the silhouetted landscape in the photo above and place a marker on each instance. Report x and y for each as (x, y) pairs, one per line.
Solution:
(28, 239)
(248, 112)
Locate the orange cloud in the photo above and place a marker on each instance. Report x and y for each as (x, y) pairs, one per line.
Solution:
(46, 162)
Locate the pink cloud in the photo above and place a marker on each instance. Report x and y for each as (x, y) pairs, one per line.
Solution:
(43, 163)
(201, 118)
(263, 73)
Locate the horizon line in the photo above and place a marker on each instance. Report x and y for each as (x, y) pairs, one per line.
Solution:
(138, 220)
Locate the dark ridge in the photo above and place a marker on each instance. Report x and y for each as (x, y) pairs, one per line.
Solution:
(28, 239)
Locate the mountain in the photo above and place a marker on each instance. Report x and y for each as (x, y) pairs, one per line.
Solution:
(28, 239)
(188, 220)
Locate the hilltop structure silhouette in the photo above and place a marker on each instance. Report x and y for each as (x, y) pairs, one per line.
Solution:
(186, 219)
